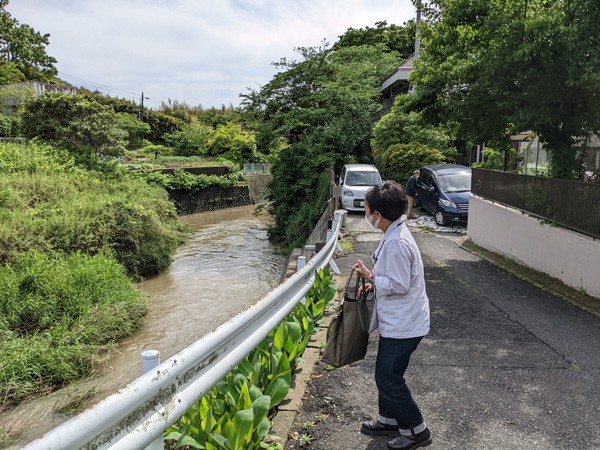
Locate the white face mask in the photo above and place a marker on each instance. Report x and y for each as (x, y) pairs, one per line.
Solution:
(371, 224)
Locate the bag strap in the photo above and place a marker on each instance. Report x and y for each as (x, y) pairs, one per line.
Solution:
(358, 281)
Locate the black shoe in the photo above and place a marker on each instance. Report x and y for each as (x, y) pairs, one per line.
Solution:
(376, 428)
(422, 439)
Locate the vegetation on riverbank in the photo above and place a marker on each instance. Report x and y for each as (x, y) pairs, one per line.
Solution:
(51, 205)
(59, 314)
(71, 240)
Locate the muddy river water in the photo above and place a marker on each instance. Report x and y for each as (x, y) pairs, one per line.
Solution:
(224, 267)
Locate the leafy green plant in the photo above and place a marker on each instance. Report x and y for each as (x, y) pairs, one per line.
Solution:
(234, 415)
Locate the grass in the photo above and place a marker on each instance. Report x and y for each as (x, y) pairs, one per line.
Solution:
(76, 400)
(59, 316)
(50, 205)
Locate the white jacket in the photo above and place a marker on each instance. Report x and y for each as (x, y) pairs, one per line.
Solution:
(401, 308)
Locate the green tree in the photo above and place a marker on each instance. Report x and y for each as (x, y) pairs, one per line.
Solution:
(192, 139)
(25, 47)
(395, 38)
(497, 68)
(234, 143)
(322, 107)
(402, 142)
(71, 119)
(135, 129)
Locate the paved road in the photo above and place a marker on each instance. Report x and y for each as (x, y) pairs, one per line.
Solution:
(506, 365)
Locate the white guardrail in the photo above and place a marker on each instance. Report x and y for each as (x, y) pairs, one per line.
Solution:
(138, 414)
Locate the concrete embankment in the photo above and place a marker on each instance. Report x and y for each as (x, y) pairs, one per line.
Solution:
(508, 363)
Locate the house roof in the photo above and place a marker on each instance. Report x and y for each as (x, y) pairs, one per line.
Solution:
(399, 76)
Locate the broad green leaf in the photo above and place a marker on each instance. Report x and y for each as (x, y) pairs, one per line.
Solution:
(277, 390)
(189, 441)
(261, 407)
(238, 381)
(241, 432)
(220, 440)
(245, 367)
(255, 392)
(280, 336)
(263, 428)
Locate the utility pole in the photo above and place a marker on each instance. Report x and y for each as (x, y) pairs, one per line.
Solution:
(418, 36)
(417, 45)
(142, 108)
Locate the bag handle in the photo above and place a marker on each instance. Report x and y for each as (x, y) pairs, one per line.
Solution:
(358, 281)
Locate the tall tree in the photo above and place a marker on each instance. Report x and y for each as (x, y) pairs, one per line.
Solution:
(500, 67)
(316, 113)
(395, 38)
(25, 47)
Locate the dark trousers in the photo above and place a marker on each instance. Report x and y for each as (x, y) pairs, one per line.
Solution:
(395, 400)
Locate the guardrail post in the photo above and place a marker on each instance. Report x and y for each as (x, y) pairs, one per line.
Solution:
(150, 360)
(301, 262)
(333, 235)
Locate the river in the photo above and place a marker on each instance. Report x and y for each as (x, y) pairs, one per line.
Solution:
(224, 267)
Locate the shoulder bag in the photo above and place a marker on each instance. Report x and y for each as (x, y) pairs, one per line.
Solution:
(348, 333)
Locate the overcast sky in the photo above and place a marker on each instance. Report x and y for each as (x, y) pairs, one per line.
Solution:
(200, 51)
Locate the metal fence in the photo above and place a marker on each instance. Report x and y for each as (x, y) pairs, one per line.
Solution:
(570, 204)
(137, 414)
(250, 169)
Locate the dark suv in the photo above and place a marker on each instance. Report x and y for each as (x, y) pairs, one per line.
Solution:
(448, 188)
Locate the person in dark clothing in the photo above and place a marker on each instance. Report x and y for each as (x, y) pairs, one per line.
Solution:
(411, 192)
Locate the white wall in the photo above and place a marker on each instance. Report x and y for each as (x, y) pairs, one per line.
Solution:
(569, 256)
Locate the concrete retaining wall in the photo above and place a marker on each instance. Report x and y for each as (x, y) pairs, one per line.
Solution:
(567, 255)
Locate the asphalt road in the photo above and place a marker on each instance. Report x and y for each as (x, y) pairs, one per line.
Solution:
(506, 364)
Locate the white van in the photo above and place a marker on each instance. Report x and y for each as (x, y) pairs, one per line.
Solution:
(355, 181)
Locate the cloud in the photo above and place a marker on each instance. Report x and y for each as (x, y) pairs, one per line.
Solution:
(203, 52)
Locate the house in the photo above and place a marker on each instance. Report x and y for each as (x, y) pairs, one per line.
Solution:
(394, 85)
(14, 93)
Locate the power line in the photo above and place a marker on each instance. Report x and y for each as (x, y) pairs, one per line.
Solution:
(110, 88)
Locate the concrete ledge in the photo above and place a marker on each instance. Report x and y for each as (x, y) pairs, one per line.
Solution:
(571, 257)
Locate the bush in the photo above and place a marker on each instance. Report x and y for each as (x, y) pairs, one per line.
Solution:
(191, 140)
(182, 180)
(399, 161)
(58, 313)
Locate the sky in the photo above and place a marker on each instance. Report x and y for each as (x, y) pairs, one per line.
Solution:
(203, 52)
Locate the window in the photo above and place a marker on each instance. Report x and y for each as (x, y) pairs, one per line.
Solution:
(362, 179)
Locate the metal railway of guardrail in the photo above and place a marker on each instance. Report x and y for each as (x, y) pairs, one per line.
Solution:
(137, 415)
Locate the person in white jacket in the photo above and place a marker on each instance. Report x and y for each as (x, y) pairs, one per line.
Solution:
(400, 313)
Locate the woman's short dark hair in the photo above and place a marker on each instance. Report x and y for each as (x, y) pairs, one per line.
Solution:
(389, 199)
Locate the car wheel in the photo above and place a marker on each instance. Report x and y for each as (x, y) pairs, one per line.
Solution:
(439, 218)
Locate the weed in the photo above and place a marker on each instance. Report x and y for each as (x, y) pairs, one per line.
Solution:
(509, 260)
(308, 424)
(305, 440)
(330, 368)
(76, 401)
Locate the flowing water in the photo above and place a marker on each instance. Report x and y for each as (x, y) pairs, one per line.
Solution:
(224, 267)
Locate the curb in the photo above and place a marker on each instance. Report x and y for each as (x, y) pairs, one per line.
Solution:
(538, 279)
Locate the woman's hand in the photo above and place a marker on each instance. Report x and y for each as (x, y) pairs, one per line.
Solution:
(361, 270)
(368, 288)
